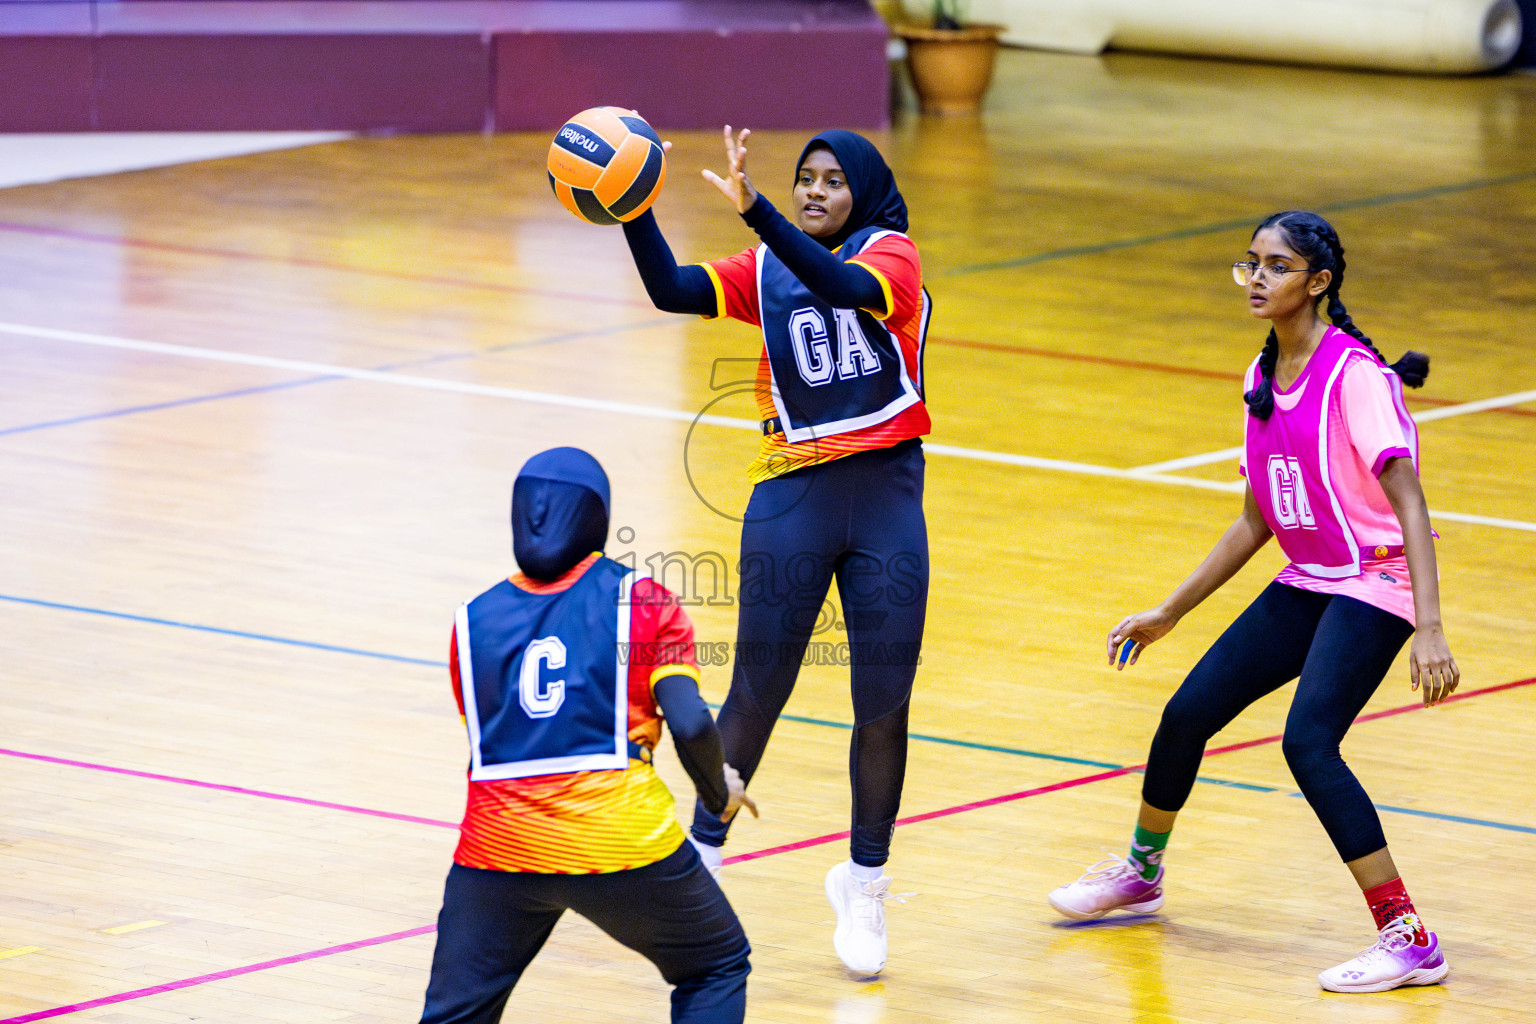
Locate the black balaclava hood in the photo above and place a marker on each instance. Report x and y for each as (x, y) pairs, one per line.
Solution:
(559, 512)
(877, 201)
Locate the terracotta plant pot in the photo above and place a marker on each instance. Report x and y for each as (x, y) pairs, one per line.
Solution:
(951, 68)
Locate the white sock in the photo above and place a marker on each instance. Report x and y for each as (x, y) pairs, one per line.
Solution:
(863, 874)
(711, 855)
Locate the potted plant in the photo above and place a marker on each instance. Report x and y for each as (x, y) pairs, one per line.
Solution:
(950, 61)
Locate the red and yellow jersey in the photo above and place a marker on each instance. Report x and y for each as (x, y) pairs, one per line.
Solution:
(893, 260)
(590, 821)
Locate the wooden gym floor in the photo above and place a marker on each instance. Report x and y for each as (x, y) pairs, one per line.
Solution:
(258, 422)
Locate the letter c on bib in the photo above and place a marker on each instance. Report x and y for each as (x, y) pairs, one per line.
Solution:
(539, 700)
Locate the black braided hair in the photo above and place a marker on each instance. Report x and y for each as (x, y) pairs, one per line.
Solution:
(1315, 241)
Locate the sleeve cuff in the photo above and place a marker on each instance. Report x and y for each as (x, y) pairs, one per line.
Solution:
(885, 292)
(758, 213)
(714, 279)
(1397, 452)
(663, 671)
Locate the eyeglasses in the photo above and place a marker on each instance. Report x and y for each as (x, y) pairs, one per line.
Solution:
(1245, 271)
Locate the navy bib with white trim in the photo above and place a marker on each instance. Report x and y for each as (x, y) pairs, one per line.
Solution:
(833, 370)
(543, 676)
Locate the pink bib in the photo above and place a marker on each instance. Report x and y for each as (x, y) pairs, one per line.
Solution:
(1288, 463)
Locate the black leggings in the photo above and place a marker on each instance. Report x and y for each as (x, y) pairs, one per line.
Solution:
(860, 519)
(493, 923)
(1341, 648)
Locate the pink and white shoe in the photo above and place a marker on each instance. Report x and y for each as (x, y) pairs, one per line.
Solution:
(1111, 884)
(1392, 963)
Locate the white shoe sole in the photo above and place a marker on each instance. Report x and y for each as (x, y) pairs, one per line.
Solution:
(1149, 907)
(1422, 976)
(844, 926)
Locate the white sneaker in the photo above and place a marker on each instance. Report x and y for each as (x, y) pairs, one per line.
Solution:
(712, 857)
(1111, 884)
(860, 936)
(1393, 962)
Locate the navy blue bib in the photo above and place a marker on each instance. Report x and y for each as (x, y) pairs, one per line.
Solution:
(834, 370)
(543, 677)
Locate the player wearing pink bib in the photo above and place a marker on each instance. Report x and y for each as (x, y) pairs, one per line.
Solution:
(1331, 436)
(1331, 458)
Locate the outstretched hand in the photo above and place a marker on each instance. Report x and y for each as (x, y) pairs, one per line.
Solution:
(735, 186)
(1136, 632)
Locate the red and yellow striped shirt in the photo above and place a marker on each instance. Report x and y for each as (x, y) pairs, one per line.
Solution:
(593, 821)
(894, 262)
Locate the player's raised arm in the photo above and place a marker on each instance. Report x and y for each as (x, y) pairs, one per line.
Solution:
(672, 288)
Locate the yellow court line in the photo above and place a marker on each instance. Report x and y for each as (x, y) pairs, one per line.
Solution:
(124, 929)
(6, 954)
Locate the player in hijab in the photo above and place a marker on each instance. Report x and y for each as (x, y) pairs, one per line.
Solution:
(838, 479)
(563, 674)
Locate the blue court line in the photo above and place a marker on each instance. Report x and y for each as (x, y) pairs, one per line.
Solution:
(1179, 234)
(1204, 779)
(1016, 751)
(1458, 818)
(302, 382)
(155, 407)
(222, 632)
(1436, 815)
(1249, 786)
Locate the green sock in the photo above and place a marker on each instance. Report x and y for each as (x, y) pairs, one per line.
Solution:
(1147, 851)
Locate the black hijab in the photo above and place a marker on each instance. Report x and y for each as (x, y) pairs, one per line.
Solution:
(559, 512)
(877, 201)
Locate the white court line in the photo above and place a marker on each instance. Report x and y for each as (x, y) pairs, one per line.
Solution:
(1466, 517)
(1190, 461)
(1445, 412)
(1086, 468)
(1144, 473)
(1500, 402)
(375, 376)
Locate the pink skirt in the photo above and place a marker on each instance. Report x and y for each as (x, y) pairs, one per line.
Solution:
(1381, 584)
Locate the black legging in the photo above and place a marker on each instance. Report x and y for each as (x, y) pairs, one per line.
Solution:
(860, 519)
(1341, 648)
(493, 923)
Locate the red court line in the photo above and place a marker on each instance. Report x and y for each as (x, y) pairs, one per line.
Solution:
(1098, 777)
(458, 282)
(314, 264)
(974, 805)
(233, 972)
(1076, 357)
(1183, 371)
(228, 789)
(1388, 713)
(756, 855)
